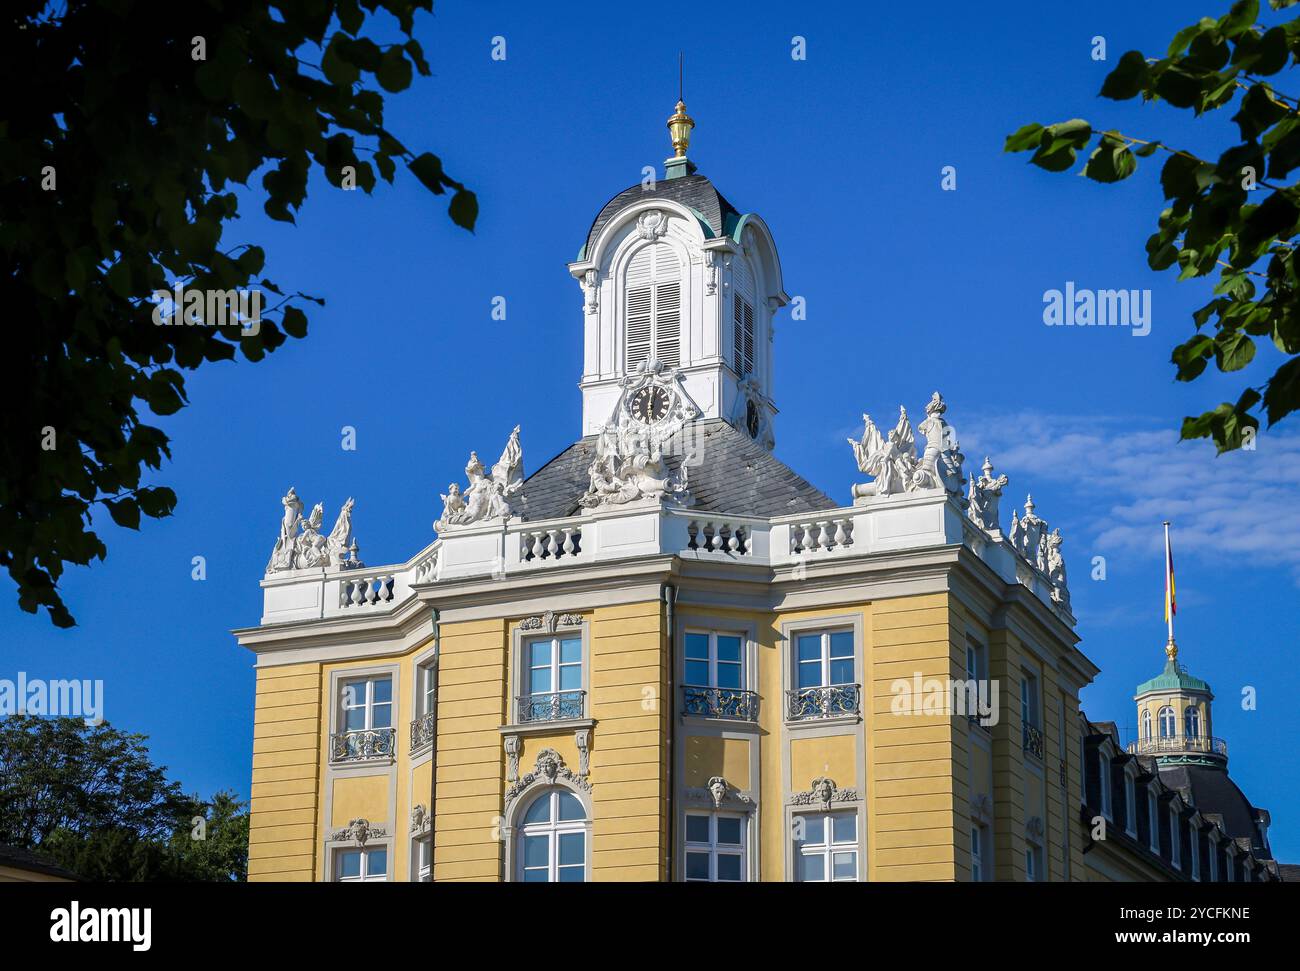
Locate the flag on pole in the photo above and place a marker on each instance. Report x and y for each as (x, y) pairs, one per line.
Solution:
(1171, 603)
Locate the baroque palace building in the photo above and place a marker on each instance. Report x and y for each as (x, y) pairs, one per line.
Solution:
(666, 656)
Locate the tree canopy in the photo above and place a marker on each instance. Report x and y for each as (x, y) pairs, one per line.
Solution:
(91, 799)
(125, 133)
(1235, 216)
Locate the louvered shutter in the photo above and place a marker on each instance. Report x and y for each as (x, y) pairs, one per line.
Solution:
(742, 334)
(654, 303)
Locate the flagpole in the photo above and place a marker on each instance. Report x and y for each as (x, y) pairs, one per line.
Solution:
(1169, 591)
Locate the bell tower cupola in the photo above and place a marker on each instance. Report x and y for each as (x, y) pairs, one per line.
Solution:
(679, 283)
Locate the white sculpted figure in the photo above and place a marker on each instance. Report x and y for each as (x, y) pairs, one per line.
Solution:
(983, 497)
(1029, 536)
(485, 496)
(629, 466)
(1056, 568)
(940, 464)
(890, 458)
(301, 546)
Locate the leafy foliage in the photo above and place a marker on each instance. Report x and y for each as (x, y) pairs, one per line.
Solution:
(120, 145)
(1232, 215)
(90, 798)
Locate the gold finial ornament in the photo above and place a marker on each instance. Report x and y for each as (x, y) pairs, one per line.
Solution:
(1171, 650)
(679, 130)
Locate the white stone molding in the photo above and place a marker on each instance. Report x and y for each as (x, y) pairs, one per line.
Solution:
(358, 831)
(300, 545)
(652, 225)
(749, 393)
(485, 498)
(981, 809)
(1041, 550)
(591, 287)
(582, 739)
(822, 792)
(548, 770)
(512, 744)
(720, 794)
(550, 622)
(421, 820)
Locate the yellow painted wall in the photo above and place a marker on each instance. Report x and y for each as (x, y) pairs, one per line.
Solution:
(287, 731)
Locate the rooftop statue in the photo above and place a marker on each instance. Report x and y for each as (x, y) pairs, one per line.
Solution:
(485, 496)
(300, 546)
(983, 497)
(891, 458)
(629, 466)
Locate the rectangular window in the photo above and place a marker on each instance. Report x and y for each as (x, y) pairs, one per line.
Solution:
(428, 683)
(1194, 839)
(1029, 699)
(826, 847)
(552, 675)
(1153, 819)
(976, 661)
(422, 862)
(1104, 783)
(367, 704)
(1214, 860)
(1130, 805)
(824, 659)
(1175, 843)
(979, 840)
(1033, 862)
(715, 848)
(715, 660)
(361, 866)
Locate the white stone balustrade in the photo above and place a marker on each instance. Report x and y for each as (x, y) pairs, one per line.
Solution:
(498, 551)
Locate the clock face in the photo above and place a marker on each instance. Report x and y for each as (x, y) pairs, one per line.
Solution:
(751, 419)
(649, 405)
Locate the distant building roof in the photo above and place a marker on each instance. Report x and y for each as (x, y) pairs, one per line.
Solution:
(735, 475)
(18, 858)
(1173, 678)
(1214, 793)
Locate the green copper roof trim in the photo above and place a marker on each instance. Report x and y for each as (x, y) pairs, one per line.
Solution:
(1173, 678)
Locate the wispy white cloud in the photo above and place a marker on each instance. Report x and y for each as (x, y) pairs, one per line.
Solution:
(1131, 473)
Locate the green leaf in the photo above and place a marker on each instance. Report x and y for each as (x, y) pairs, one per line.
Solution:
(1128, 79)
(427, 167)
(1239, 18)
(394, 71)
(464, 209)
(294, 322)
(1111, 160)
(125, 512)
(1024, 138)
(1233, 351)
(1282, 393)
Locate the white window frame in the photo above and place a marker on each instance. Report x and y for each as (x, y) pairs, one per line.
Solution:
(1034, 862)
(1146, 723)
(828, 847)
(979, 848)
(553, 830)
(426, 687)
(526, 667)
(825, 660)
(365, 875)
(713, 661)
(1030, 700)
(368, 703)
(715, 849)
(422, 871)
(657, 289)
(1171, 721)
(1192, 721)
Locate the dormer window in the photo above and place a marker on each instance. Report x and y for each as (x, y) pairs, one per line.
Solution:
(1192, 720)
(742, 319)
(653, 318)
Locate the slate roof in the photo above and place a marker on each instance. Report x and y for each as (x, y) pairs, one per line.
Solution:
(24, 859)
(1214, 792)
(694, 191)
(734, 475)
(1175, 677)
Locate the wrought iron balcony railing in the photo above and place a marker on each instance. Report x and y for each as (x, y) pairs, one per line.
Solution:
(422, 731)
(1207, 744)
(828, 701)
(363, 746)
(552, 707)
(1034, 741)
(719, 703)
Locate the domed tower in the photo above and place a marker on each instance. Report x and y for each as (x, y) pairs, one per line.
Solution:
(1174, 717)
(675, 278)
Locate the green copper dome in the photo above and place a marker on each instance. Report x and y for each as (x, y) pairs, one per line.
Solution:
(1173, 678)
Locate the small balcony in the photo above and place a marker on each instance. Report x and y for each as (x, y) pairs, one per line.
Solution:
(828, 701)
(1033, 736)
(422, 731)
(367, 745)
(553, 707)
(1174, 744)
(732, 703)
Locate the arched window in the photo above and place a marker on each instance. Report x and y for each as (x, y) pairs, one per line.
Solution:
(553, 839)
(1146, 723)
(1168, 722)
(1192, 722)
(653, 318)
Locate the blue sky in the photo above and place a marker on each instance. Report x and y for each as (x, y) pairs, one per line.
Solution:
(909, 289)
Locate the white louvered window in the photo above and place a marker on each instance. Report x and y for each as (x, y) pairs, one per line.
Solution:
(742, 317)
(654, 304)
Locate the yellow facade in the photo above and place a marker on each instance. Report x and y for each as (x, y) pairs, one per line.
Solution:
(911, 777)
